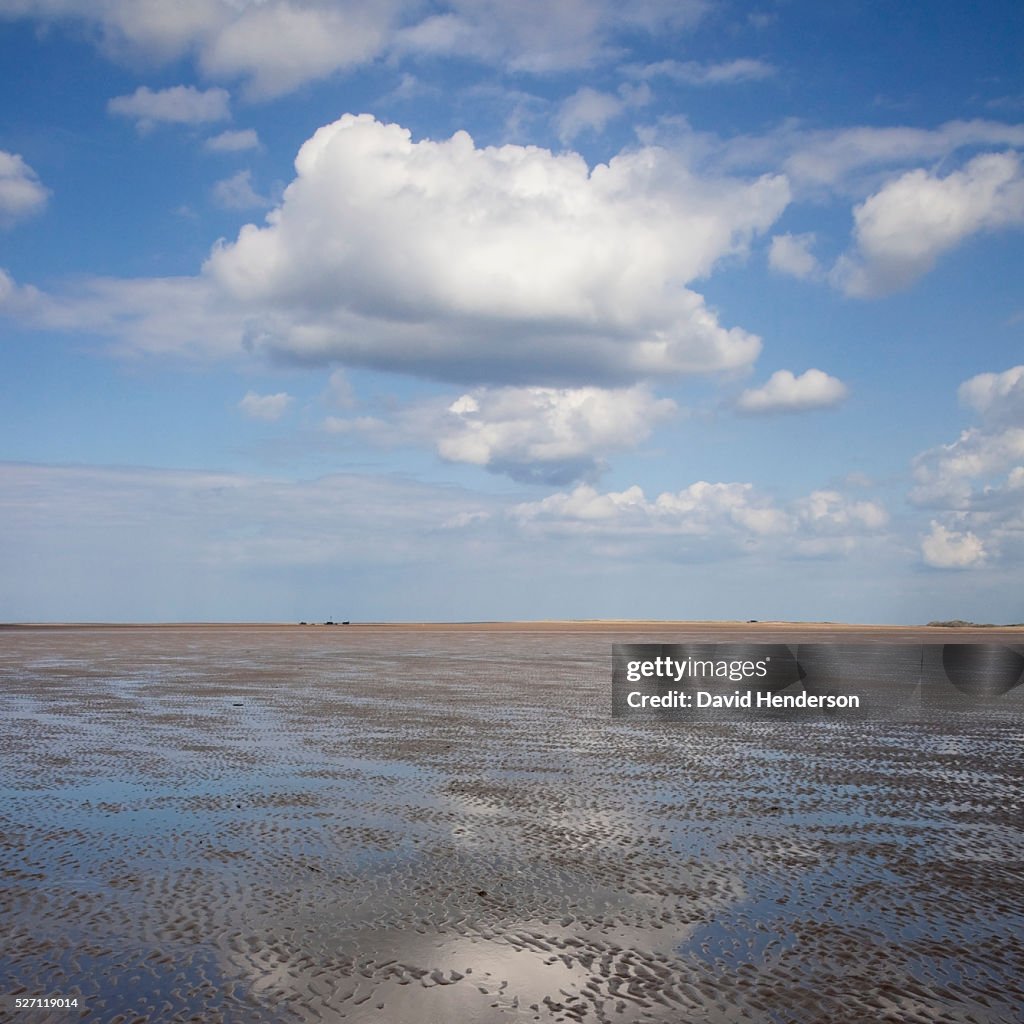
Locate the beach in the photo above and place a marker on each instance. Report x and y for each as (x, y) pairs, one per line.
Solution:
(444, 823)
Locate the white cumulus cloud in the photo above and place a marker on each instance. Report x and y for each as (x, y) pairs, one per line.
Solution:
(265, 407)
(786, 392)
(179, 104)
(549, 434)
(943, 548)
(996, 396)
(831, 512)
(531, 434)
(702, 508)
(508, 262)
(974, 483)
(21, 192)
(948, 475)
(902, 230)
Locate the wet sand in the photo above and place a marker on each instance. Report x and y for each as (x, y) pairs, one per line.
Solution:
(424, 823)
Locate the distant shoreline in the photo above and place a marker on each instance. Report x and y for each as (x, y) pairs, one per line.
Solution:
(759, 629)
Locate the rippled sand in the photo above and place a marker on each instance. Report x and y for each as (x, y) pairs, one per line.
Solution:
(445, 825)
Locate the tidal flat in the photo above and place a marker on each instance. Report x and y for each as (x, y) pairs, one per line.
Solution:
(413, 825)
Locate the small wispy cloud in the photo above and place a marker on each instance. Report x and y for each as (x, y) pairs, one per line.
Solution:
(21, 192)
(237, 193)
(233, 141)
(588, 109)
(180, 104)
(692, 72)
(265, 407)
(791, 254)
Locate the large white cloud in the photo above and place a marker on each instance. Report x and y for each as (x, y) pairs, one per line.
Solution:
(21, 192)
(901, 230)
(501, 262)
(785, 391)
(488, 265)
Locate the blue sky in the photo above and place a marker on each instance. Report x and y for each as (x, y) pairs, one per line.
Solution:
(434, 311)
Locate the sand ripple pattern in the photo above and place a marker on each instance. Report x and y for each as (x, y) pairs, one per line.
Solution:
(346, 824)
